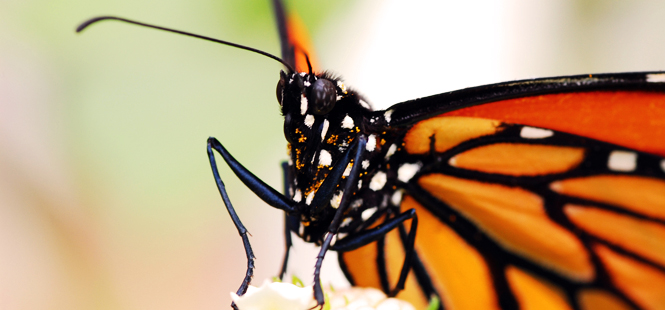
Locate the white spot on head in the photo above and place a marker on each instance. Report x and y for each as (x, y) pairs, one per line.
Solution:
(341, 86)
(336, 199)
(347, 171)
(302, 74)
(324, 130)
(378, 181)
(662, 165)
(324, 158)
(347, 122)
(365, 164)
(309, 198)
(391, 151)
(656, 78)
(371, 143)
(364, 104)
(535, 133)
(387, 115)
(309, 120)
(306, 83)
(396, 198)
(368, 213)
(407, 171)
(622, 161)
(297, 197)
(303, 104)
(338, 98)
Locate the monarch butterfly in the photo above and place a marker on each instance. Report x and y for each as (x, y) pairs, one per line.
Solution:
(538, 206)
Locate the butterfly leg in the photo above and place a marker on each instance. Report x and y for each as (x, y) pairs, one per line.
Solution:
(289, 222)
(268, 194)
(236, 221)
(339, 215)
(368, 236)
(264, 191)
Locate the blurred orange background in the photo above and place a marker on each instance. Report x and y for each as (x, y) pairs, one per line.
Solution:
(106, 195)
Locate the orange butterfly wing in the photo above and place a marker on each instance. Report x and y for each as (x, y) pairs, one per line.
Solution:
(607, 251)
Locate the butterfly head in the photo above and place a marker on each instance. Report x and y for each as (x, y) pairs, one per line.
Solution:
(322, 118)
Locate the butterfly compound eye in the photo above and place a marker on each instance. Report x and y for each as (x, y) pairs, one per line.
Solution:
(280, 87)
(323, 96)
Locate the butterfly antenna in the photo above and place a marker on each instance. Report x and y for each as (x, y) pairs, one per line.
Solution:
(309, 64)
(91, 21)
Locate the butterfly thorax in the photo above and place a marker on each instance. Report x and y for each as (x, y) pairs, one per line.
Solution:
(322, 119)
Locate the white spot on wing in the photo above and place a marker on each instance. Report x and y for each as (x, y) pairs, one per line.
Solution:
(407, 171)
(535, 133)
(324, 158)
(336, 199)
(365, 164)
(391, 151)
(662, 165)
(309, 120)
(324, 131)
(622, 161)
(303, 104)
(301, 230)
(387, 115)
(364, 104)
(347, 122)
(371, 143)
(298, 196)
(378, 181)
(360, 183)
(656, 78)
(368, 213)
(309, 198)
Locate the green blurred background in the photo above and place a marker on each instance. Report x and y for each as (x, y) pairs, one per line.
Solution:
(106, 195)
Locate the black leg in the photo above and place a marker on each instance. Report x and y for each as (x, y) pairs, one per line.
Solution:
(337, 220)
(288, 221)
(236, 221)
(368, 236)
(260, 188)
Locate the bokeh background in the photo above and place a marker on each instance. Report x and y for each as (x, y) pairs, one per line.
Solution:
(106, 196)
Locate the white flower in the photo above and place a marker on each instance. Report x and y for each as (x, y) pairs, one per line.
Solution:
(284, 296)
(275, 296)
(357, 298)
